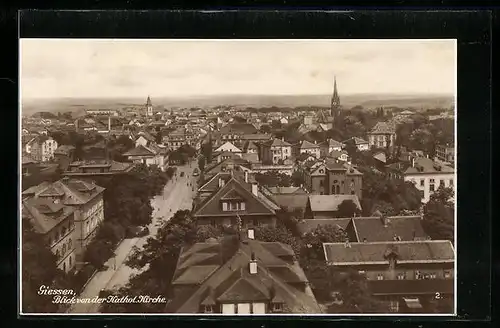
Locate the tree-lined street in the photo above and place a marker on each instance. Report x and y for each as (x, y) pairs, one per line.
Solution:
(177, 195)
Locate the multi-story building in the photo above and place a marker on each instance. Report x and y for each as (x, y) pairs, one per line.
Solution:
(446, 153)
(98, 167)
(68, 212)
(307, 147)
(330, 145)
(244, 276)
(235, 199)
(361, 144)
(149, 155)
(428, 175)
(275, 151)
(174, 140)
(383, 135)
(41, 148)
(333, 177)
(407, 275)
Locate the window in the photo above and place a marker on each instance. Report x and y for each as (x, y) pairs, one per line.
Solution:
(277, 307)
(401, 276)
(335, 181)
(432, 276)
(63, 250)
(208, 309)
(380, 276)
(57, 254)
(441, 183)
(451, 182)
(63, 231)
(432, 181)
(64, 266)
(393, 306)
(70, 261)
(224, 206)
(418, 275)
(422, 182)
(70, 242)
(431, 187)
(321, 183)
(352, 192)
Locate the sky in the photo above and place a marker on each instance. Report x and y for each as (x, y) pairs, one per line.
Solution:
(107, 68)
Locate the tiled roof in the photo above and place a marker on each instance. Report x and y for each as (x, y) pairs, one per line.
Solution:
(406, 227)
(291, 201)
(44, 214)
(244, 128)
(335, 143)
(277, 143)
(308, 145)
(140, 150)
(383, 128)
(330, 203)
(357, 141)
(255, 205)
(232, 281)
(251, 157)
(376, 252)
(336, 154)
(256, 137)
(287, 190)
(427, 165)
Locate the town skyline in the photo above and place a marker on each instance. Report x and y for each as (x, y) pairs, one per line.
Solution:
(92, 68)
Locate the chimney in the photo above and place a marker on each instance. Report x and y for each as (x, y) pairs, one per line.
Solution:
(413, 162)
(347, 244)
(251, 233)
(255, 189)
(109, 123)
(253, 265)
(246, 176)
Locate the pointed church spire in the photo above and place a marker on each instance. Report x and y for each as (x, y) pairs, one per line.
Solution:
(335, 104)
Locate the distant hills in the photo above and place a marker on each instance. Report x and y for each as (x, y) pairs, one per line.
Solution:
(78, 106)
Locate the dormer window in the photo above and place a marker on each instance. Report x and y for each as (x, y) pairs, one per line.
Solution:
(208, 309)
(277, 307)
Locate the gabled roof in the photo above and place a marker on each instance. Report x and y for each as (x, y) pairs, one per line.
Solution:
(287, 190)
(243, 128)
(334, 143)
(44, 214)
(291, 201)
(429, 251)
(383, 128)
(232, 281)
(228, 145)
(308, 145)
(330, 203)
(357, 141)
(140, 150)
(277, 143)
(255, 205)
(336, 154)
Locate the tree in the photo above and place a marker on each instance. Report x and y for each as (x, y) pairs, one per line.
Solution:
(39, 269)
(356, 297)
(438, 221)
(206, 150)
(347, 209)
(313, 240)
(201, 163)
(297, 179)
(264, 128)
(158, 137)
(278, 234)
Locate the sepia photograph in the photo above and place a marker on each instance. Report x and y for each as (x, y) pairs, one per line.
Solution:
(237, 177)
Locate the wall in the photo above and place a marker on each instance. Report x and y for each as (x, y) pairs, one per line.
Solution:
(61, 240)
(426, 178)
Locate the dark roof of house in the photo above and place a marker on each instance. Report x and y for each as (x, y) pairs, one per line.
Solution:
(232, 281)
(291, 201)
(427, 165)
(427, 251)
(277, 143)
(383, 128)
(357, 141)
(140, 150)
(255, 205)
(308, 145)
(224, 165)
(330, 203)
(44, 214)
(243, 128)
(256, 137)
(407, 228)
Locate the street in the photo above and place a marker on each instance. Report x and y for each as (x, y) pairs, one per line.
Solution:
(177, 195)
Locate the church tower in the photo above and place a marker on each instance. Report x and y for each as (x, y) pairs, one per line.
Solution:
(335, 104)
(149, 107)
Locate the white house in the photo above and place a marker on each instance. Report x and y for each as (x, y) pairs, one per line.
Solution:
(429, 175)
(310, 148)
(41, 148)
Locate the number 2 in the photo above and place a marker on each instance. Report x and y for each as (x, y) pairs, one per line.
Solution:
(437, 296)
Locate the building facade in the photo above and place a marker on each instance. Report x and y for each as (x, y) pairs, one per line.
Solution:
(446, 153)
(41, 148)
(275, 151)
(383, 135)
(428, 175)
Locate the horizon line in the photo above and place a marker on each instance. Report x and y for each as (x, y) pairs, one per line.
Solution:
(242, 94)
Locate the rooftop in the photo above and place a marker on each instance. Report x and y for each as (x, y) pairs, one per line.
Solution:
(428, 251)
(425, 165)
(330, 203)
